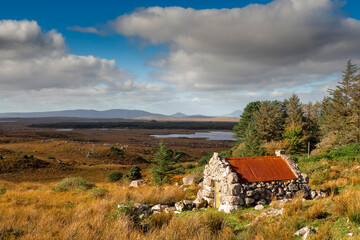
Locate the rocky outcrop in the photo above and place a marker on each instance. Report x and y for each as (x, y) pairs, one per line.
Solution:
(233, 194)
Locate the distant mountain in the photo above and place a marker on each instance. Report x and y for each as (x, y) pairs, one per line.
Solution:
(235, 113)
(82, 113)
(178, 115)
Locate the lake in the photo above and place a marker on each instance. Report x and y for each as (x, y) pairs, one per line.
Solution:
(214, 135)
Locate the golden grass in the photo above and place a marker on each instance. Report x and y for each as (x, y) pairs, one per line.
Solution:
(34, 211)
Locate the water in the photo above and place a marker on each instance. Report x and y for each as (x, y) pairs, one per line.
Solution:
(223, 136)
(64, 129)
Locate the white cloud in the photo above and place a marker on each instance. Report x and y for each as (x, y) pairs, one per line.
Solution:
(35, 68)
(84, 29)
(282, 44)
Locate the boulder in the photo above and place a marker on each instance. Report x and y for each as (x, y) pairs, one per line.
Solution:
(249, 201)
(136, 183)
(188, 180)
(156, 207)
(259, 207)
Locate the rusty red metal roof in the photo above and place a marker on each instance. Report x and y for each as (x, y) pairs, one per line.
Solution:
(261, 169)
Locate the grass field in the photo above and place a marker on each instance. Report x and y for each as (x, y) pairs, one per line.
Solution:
(33, 207)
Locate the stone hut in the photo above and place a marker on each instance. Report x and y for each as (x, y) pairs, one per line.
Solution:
(232, 183)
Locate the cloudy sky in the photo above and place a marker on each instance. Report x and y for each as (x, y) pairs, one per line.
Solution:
(195, 57)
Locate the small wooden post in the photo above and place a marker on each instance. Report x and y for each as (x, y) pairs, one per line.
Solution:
(308, 149)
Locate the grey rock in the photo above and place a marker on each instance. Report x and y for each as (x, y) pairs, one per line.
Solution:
(259, 207)
(188, 180)
(249, 201)
(136, 183)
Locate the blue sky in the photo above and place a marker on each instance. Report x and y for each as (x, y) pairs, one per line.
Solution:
(163, 57)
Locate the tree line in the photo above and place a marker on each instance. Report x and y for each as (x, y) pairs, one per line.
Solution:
(269, 125)
(140, 125)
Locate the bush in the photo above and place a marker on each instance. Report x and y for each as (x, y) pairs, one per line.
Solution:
(98, 193)
(2, 190)
(73, 183)
(114, 176)
(117, 151)
(134, 173)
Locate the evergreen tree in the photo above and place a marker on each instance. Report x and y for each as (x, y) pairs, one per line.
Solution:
(166, 165)
(134, 173)
(270, 119)
(311, 123)
(246, 118)
(251, 144)
(294, 112)
(355, 104)
(340, 119)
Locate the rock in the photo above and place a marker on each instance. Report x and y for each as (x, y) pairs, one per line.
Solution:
(140, 206)
(261, 202)
(309, 232)
(259, 207)
(156, 207)
(228, 208)
(233, 200)
(232, 178)
(136, 183)
(249, 201)
(188, 180)
(293, 187)
(305, 178)
(320, 194)
(180, 206)
(169, 209)
(234, 189)
(199, 203)
(312, 194)
(301, 231)
(249, 193)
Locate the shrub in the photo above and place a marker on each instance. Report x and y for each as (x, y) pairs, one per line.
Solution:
(117, 151)
(114, 176)
(98, 193)
(2, 190)
(134, 173)
(73, 183)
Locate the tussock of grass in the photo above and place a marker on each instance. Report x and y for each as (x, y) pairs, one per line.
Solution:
(72, 183)
(348, 204)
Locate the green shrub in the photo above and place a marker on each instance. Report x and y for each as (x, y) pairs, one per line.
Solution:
(117, 151)
(134, 173)
(2, 190)
(98, 193)
(114, 176)
(73, 183)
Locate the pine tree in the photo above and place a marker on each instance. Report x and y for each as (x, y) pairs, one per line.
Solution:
(294, 112)
(246, 118)
(355, 104)
(251, 144)
(338, 120)
(270, 119)
(166, 165)
(311, 123)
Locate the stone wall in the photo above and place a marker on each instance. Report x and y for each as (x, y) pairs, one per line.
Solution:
(234, 195)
